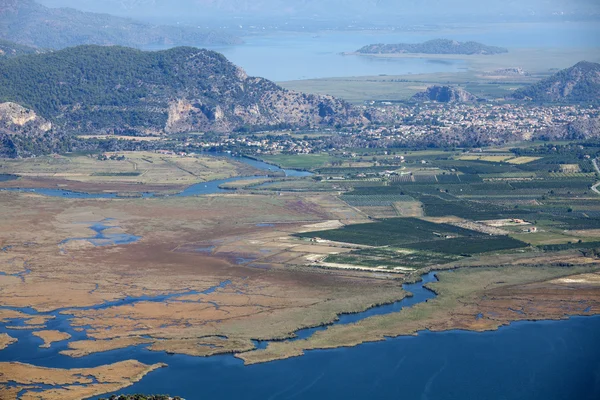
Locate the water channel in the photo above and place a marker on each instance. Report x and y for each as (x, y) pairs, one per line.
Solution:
(526, 360)
(197, 189)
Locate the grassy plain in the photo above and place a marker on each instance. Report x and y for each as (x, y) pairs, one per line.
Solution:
(188, 245)
(134, 171)
(50, 337)
(6, 340)
(490, 293)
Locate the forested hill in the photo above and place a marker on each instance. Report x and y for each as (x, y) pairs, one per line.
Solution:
(29, 23)
(436, 46)
(580, 83)
(11, 49)
(118, 89)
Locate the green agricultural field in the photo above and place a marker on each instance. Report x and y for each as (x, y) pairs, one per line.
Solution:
(392, 232)
(470, 245)
(375, 200)
(300, 161)
(392, 258)
(436, 206)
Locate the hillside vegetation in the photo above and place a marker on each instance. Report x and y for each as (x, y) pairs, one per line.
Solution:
(580, 83)
(436, 46)
(29, 23)
(116, 89)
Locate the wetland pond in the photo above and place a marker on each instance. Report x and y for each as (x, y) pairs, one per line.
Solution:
(526, 360)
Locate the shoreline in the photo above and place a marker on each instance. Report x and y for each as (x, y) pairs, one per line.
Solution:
(505, 325)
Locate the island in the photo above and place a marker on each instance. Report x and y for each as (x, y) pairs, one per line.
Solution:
(436, 46)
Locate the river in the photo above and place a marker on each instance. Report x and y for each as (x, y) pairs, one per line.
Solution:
(202, 188)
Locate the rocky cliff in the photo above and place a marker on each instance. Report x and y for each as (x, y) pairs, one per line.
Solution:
(444, 94)
(23, 132)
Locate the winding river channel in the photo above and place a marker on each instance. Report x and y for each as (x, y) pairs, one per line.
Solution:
(526, 360)
(202, 188)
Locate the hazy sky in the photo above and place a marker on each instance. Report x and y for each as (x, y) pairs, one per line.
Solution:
(335, 8)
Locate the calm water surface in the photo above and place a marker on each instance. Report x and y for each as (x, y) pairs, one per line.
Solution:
(292, 56)
(526, 360)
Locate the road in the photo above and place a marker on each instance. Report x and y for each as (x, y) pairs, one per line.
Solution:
(595, 187)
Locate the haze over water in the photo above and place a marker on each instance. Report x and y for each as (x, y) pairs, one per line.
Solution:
(293, 56)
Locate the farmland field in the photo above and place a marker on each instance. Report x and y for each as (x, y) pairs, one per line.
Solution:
(522, 160)
(299, 161)
(471, 245)
(392, 232)
(392, 258)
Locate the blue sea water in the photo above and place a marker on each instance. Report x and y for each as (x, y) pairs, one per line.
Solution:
(555, 360)
(527, 360)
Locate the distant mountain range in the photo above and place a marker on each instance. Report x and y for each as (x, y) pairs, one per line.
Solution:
(388, 10)
(29, 23)
(436, 46)
(122, 90)
(445, 94)
(580, 83)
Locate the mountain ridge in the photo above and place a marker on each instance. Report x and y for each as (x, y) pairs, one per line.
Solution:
(579, 83)
(29, 23)
(123, 90)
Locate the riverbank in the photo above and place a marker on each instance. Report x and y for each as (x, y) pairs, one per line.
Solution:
(471, 299)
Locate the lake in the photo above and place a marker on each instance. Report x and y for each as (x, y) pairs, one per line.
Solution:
(293, 56)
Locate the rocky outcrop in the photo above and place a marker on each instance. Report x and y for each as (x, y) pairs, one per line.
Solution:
(11, 49)
(444, 94)
(515, 71)
(22, 131)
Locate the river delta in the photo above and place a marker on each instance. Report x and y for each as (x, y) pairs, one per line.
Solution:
(206, 292)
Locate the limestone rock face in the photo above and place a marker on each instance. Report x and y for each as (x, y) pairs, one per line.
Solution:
(445, 94)
(21, 129)
(16, 120)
